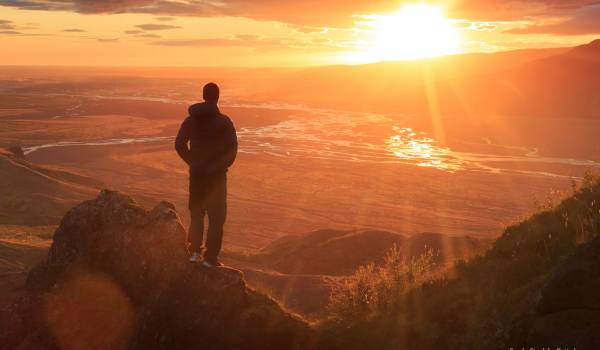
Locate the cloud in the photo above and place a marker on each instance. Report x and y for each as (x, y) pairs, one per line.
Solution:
(133, 32)
(8, 27)
(479, 26)
(238, 40)
(154, 26)
(6, 24)
(149, 35)
(165, 19)
(490, 10)
(583, 21)
(310, 13)
(307, 29)
(306, 12)
(16, 32)
(73, 30)
(107, 40)
(82, 6)
(257, 43)
(10, 32)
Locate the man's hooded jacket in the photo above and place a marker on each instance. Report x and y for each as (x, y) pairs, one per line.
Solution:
(212, 140)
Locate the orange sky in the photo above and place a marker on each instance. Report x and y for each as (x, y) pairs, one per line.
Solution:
(269, 32)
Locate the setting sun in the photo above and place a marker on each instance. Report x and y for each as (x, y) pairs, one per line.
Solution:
(415, 31)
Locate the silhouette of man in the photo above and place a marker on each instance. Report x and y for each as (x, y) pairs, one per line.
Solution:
(212, 150)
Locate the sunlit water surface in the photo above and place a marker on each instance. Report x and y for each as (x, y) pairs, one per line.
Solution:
(355, 137)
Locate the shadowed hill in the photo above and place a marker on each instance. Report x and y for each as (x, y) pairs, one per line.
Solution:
(117, 277)
(38, 195)
(569, 80)
(301, 271)
(339, 253)
(17, 257)
(536, 286)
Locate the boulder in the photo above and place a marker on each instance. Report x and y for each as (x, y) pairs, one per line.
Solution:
(117, 277)
(567, 314)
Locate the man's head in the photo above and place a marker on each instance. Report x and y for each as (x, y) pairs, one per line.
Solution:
(210, 92)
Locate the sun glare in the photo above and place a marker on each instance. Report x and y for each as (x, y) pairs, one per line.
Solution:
(415, 31)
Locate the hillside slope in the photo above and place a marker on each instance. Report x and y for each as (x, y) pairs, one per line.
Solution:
(301, 271)
(38, 195)
(536, 286)
(340, 253)
(118, 265)
(115, 265)
(569, 80)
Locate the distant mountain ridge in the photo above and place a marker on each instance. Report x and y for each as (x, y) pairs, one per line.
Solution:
(591, 50)
(545, 83)
(561, 86)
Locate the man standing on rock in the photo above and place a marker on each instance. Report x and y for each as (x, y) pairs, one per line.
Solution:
(211, 151)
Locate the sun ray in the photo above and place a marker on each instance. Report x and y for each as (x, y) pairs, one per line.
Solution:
(434, 105)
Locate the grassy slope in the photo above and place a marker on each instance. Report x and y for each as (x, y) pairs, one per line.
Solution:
(38, 195)
(480, 306)
(18, 254)
(340, 253)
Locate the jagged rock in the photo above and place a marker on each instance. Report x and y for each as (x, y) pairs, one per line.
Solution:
(568, 312)
(117, 277)
(572, 282)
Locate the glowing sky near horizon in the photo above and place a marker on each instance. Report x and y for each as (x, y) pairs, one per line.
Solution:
(280, 33)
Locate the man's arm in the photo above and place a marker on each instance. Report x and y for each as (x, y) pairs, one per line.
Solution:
(227, 157)
(181, 141)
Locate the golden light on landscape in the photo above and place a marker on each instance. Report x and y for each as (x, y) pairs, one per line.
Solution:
(415, 31)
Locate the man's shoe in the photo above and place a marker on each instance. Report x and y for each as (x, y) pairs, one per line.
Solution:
(196, 257)
(211, 263)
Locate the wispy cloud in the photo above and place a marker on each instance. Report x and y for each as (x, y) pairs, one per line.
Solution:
(149, 35)
(308, 13)
(256, 42)
(155, 26)
(10, 32)
(215, 42)
(107, 40)
(73, 30)
(165, 19)
(492, 10)
(583, 21)
(6, 24)
(8, 27)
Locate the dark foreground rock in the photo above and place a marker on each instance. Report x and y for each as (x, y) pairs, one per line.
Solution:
(567, 313)
(117, 277)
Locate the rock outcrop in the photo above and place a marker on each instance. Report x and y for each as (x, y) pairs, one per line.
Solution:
(117, 277)
(568, 312)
